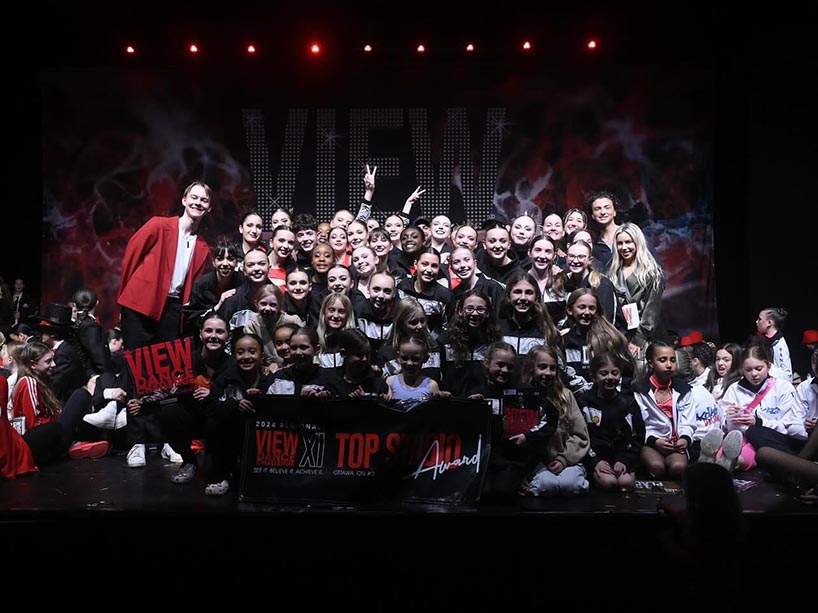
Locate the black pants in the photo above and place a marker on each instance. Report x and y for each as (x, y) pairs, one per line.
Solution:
(44, 442)
(139, 330)
(181, 422)
(761, 436)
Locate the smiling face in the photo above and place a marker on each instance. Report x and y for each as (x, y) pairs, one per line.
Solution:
(224, 264)
(427, 268)
(298, 285)
(500, 366)
(341, 219)
(462, 263)
(465, 236)
(381, 291)
(338, 240)
(339, 280)
(602, 210)
(248, 354)
(322, 258)
(302, 349)
(542, 255)
(281, 339)
(364, 261)
(415, 322)
(441, 228)
(626, 247)
(256, 266)
(475, 310)
(335, 314)
(411, 357)
(584, 310)
(552, 226)
(394, 226)
(379, 244)
(44, 365)
(356, 234)
(545, 369)
(282, 244)
(196, 203)
(214, 334)
(269, 309)
(280, 218)
(607, 378)
(250, 229)
(578, 258)
(323, 232)
(522, 231)
(522, 296)
(496, 244)
(411, 240)
(306, 239)
(574, 221)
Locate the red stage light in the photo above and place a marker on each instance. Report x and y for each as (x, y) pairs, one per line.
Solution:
(470, 47)
(194, 48)
(421, 48)
(251, 49)
(526, 46)
(130, 50)
(315, 48)
(367, 48)
(592, 44)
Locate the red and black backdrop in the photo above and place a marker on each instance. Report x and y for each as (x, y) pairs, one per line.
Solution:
(119, 145)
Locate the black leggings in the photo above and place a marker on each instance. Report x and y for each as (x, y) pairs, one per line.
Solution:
(44, 442)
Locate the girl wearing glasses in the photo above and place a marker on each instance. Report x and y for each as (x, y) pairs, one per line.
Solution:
(581, 273)
(472, 329)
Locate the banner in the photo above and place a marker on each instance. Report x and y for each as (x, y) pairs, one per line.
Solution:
(162, 370)
(358, 451)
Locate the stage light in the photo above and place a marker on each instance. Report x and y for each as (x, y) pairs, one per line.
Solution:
(193, 48)
(421, 48)
(315, 48)
(251, 49)
(130, 50)
(469, 47)
(526, 46)
(367, 48)
(592, 44)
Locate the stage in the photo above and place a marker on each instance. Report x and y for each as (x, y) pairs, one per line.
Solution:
(86, 517)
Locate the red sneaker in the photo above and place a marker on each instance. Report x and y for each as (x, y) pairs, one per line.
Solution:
(96, 449)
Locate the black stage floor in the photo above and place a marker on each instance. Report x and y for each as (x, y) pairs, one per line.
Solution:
(86, 517)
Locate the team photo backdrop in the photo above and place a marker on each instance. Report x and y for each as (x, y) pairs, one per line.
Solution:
(120, 145)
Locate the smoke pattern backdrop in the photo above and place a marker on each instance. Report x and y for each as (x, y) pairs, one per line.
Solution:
(120, 145)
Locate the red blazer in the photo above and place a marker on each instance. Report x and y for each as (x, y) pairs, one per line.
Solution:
(147, 266)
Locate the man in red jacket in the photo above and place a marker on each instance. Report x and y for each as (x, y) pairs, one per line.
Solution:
(161, 261)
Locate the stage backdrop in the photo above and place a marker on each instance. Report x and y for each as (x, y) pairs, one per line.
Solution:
(120, 145)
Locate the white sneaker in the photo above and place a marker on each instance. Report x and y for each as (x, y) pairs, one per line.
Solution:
(136, 456)
(121, 419)
(731, 450)
(105, 418)
(170, 455)
(710, 446)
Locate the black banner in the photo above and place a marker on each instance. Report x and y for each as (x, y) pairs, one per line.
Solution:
(359, 451)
